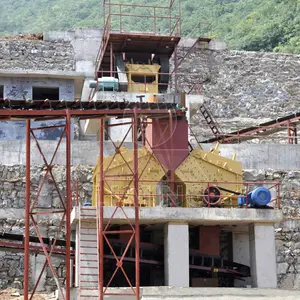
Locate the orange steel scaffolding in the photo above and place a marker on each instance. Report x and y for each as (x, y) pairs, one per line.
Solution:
(65, 110)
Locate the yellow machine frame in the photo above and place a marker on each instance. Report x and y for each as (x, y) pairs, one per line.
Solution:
(142, 71)
(198, 171)
(119, 165)
(210, 169)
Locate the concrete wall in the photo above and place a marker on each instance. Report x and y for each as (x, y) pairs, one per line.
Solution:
(15, 88)
(85, 42)
(254, 157)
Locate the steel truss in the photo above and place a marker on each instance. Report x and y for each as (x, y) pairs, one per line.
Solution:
(32, 211)
(104, 230)
(25, 110)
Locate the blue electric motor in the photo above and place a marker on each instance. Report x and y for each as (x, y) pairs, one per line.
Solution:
(257, 198)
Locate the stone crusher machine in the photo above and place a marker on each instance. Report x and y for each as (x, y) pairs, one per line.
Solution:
(202, 178)
(136, 76)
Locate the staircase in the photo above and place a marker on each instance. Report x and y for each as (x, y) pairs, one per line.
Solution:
(211, 122)
(88, 256)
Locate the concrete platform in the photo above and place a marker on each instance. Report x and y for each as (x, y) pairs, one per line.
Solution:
(194, 216)
(170, 293)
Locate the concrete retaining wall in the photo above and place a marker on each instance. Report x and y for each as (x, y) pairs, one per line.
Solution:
(260, 157)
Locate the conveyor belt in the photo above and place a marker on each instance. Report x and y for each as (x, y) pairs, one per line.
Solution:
(58, 109)
(263, 129)
(149, 254)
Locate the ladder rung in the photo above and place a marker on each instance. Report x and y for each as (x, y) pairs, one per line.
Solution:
(81, 233)
(84, 227)
(84, 215)
(88, 241)
(89, 260)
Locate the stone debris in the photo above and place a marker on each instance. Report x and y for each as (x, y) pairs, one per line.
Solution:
(29, 36)
(36, 54)
(13, 294)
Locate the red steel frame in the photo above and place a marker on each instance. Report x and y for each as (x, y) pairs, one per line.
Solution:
(289, 125)
(30, 208)
(104, 229)
(135, 115)
(109, 12)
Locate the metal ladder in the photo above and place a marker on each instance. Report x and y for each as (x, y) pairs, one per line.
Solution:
(211, 122)
(88, 257)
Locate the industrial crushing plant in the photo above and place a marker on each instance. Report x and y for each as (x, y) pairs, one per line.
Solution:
(163, 210)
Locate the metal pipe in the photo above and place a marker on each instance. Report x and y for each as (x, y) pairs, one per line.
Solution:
(68, 204)
(175, 67)
(27, 213)
(111, 60)
(101, 213)
(172, 171)
(136, 203)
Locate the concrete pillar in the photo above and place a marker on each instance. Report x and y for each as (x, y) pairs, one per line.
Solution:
(241, 253)
(177, 255)
(262, 255)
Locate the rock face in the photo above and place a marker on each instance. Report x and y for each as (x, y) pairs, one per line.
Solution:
(12, 203)
(242, 88)
(37, 55)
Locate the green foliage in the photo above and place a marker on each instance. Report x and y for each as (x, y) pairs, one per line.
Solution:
(268, 25)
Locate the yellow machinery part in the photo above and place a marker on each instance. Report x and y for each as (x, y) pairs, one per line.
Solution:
(210, 167)
(142, 72)
(118, 175)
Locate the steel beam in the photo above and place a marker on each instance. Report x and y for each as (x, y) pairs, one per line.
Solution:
(27, 212)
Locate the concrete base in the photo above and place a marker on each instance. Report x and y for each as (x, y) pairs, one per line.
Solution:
(172, 293)
(195, 216)
(263, 256)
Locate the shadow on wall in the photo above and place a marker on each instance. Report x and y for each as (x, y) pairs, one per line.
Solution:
(15, 130)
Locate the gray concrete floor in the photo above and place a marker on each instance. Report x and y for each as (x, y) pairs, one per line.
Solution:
(169, 293)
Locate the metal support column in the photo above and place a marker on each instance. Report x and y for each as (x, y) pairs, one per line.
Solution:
(100, 218)
(111, 60)
(172, 171)
(175, 68)
(136, 202)
(27, 212)
(68, 204)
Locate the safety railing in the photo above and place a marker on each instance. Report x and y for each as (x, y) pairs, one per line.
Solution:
(188, 194)
(205, 30)
(153, 19)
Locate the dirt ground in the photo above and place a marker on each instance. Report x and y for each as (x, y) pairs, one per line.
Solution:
(13, 294)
